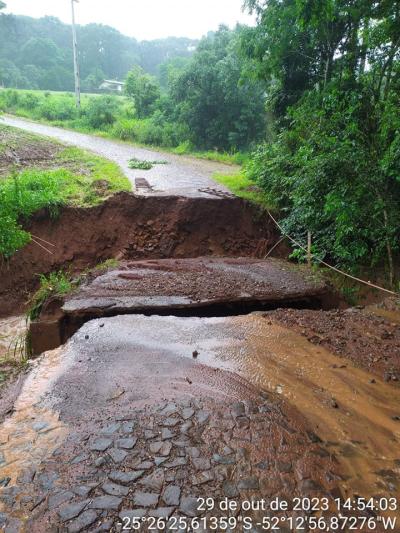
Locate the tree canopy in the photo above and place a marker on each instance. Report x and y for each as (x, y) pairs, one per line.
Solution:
(37, 53)
(332, 163)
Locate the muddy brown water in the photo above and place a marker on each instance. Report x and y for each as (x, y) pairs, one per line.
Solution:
(183, 176)
(353, 418)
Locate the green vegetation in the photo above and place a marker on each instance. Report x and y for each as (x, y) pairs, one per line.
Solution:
(60, 284)
(206, 106)
(71, 177)
(37, 54)
(53, 285)
(332, 161)
(143, 164)
(240, 184)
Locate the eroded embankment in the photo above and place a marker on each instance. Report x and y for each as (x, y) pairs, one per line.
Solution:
(131, 227)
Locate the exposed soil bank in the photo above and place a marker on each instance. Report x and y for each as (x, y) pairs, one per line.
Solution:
(359, 335)
(181, 287)
(131, 227)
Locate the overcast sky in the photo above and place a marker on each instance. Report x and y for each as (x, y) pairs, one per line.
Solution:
(142, 19)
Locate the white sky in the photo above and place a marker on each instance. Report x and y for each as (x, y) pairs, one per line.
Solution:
(142, 19)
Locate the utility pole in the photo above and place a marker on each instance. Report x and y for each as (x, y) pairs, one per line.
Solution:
(76, 64)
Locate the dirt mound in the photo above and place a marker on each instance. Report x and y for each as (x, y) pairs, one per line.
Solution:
(130, 227)
(369, 341)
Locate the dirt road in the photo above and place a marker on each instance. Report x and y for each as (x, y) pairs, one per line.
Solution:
(138, 417)
(183, 176)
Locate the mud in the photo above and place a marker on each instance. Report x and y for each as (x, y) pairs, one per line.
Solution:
(368, 338)
(127, 377)
(131, 227)
(182, 287)
(273, 416)
(32, 432)
(12, 332)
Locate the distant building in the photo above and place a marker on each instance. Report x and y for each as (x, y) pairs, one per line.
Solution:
(112, 86)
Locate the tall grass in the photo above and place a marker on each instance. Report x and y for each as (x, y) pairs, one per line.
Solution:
(109, 116)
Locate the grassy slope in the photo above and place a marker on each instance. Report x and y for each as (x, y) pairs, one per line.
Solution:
(243, 187)
(89, 178)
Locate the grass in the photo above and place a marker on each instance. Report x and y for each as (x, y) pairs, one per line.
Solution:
(60, 284)
(243, 187)
(28, 104)
(55, 284)
(92, 179)
(39, 173)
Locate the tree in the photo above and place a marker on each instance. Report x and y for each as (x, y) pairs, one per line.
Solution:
(222, 109)
(41, 52)
(333, 165)
(144, 90)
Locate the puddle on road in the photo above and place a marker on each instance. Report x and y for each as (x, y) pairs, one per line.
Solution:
(33, 432)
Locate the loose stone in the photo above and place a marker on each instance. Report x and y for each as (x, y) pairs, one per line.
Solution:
(85, 520)
(115, 490)
(125, 477)
(111, 429)
(189, 506)
(126, 444)
(117, 455)
(72, 510)
(100, 444)
(154, 481)
(55, 500)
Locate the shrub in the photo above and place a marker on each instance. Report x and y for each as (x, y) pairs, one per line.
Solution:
(101, 112)
(57, 108)
(125, 129)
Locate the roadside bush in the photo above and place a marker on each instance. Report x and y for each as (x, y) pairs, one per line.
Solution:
(56, 108)
(125, 129)
(101, 112)
(325, 177)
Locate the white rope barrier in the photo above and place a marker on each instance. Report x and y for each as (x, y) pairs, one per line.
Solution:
(368, 283)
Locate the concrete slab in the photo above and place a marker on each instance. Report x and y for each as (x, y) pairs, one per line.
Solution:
(181, 287)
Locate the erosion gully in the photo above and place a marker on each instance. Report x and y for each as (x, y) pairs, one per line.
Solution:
(176, 381)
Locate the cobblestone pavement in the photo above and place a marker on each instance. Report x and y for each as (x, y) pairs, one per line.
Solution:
(160, 460)
(141, 416)
(183, 176)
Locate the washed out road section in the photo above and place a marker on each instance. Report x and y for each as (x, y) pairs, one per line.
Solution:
(181, 176)
(154, 412)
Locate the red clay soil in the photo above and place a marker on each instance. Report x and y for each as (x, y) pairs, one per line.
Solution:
(369, 341)
(130, 227)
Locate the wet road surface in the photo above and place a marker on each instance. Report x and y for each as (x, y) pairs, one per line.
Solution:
(149, 413)
(182, 176)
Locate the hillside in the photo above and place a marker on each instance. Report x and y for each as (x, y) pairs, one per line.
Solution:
(44, 58)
